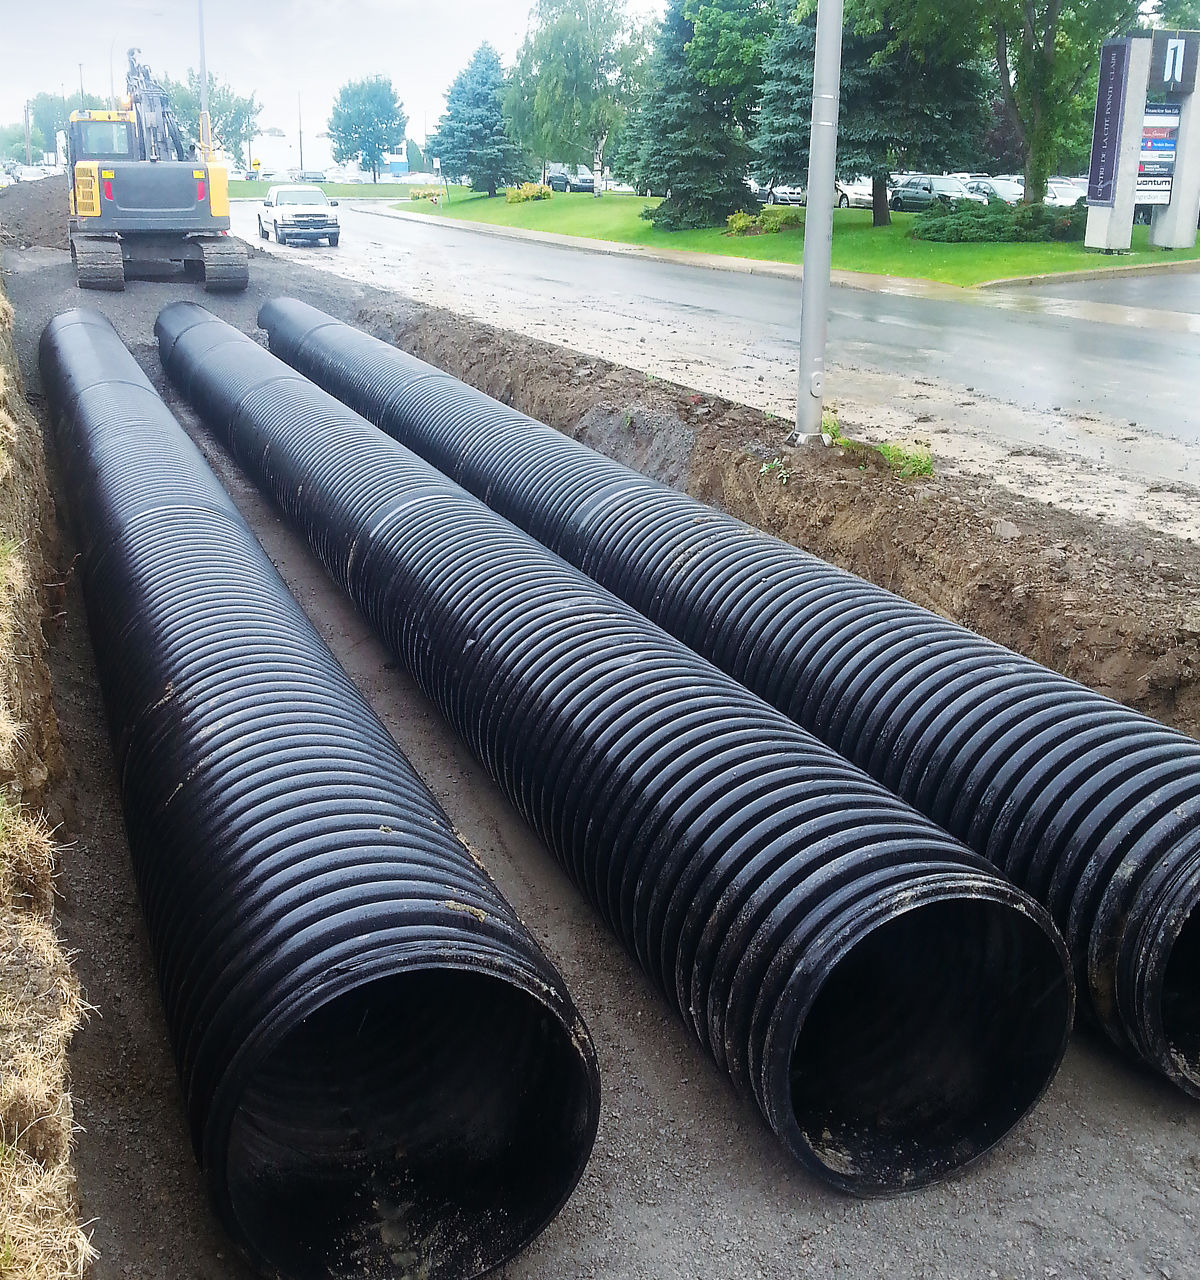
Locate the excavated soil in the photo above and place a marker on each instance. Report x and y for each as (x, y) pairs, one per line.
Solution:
(1115, 607)
(34, 214)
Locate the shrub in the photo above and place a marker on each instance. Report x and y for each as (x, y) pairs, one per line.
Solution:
(528, 191)
(742, 224)
(779, 217)
(966, 222)
(424, 193)
(772, 220)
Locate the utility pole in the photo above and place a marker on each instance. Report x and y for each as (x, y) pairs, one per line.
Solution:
(818, 220)
(28, 142)
(112, 89)
(81, 86)
(300, 128)
(205, 127)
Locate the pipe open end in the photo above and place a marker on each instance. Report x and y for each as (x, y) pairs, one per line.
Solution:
(1180, 1003)
(429, 1123)
(929, 1040)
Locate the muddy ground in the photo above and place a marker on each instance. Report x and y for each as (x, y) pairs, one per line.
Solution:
(685, 1181)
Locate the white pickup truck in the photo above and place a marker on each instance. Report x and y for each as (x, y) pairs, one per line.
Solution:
(295, 213)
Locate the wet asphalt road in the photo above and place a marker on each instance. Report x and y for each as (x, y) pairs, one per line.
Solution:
(1033, 347)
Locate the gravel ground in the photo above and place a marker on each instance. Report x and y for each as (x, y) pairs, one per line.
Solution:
(1102, 1181)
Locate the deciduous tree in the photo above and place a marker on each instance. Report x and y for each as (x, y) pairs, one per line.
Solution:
(1046, 53)
(232, 119)
(580, 67)
(725, 53)
(367, 120)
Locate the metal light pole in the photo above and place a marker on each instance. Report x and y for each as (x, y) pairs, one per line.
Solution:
(205, 128)
(818, 220)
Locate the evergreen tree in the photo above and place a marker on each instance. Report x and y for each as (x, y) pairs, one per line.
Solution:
(901, 107)
(471, 137)
(691, 146)
(416, 160)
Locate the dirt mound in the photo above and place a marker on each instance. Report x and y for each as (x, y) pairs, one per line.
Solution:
(35, 213)
(1115, 607)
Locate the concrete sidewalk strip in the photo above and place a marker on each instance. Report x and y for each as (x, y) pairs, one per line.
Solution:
(992, 295)
(753, 266)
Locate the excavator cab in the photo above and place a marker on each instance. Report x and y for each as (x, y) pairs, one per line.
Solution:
(138, 200)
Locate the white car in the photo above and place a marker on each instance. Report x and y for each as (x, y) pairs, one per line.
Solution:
(298, 213)
(1063, 195)
(859, 193)
(783, 194)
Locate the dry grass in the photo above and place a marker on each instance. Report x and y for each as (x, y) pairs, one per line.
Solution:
(40, 1007)
(40, 1001)
(39, 1237)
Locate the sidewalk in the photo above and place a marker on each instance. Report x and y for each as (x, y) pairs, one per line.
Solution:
(1004, 295)
(790, 270)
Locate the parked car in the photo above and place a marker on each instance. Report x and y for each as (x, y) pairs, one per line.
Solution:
(922, 189)
(1018, 178)
(785, 194)
(299, 213)
(997, 189)
(859, 193)
(1063, 194)
(573, 177)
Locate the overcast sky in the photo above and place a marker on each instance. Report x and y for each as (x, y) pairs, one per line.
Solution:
(277, 48)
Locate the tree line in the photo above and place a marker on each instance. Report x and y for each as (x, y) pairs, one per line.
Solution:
(721, 89)
(233, 119)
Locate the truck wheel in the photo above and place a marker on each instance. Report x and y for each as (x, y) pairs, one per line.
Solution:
(279, 238)
(262, 231)
(333, 240)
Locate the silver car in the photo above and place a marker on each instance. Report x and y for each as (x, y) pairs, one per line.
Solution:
(924, 189)
(1000, 189)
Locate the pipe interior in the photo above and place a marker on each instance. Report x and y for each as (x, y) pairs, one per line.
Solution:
(424, 1124)
(1181, 999)
(933, 1036)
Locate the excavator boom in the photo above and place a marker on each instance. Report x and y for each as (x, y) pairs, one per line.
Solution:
(140, 200)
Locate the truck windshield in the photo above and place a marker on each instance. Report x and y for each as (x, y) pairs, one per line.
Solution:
(102, 138)
(301, 197)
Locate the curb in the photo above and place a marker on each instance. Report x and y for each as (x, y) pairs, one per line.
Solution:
(1180, 267)
(866, 281)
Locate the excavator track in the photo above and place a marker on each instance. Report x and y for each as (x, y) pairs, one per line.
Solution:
(225, 267)
(98, 263)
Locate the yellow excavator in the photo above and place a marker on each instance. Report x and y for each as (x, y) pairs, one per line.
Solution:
(141, 200)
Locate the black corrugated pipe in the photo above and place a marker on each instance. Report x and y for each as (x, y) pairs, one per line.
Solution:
(1089, 806)
(891, 1003)
(382, 1072)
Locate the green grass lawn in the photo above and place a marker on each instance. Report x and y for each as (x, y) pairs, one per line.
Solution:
(335, 190)
(857, 246)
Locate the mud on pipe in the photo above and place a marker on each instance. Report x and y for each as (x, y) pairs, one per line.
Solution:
(1090, 807)
(891, 1004)
(382, 1072)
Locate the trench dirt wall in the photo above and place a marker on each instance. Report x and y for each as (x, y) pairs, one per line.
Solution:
(1115, 607)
